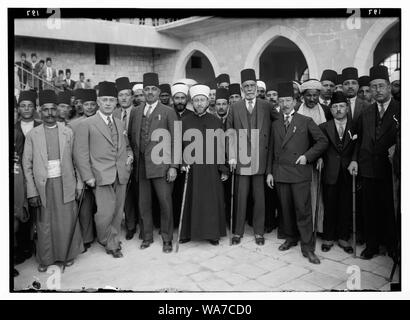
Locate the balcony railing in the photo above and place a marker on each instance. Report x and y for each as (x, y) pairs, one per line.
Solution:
(152, 22)
(26, 80)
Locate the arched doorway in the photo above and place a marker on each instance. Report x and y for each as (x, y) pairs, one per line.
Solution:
(387, 51)
(199, 68)
(282, 60)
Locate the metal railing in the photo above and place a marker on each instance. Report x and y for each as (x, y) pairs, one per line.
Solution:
(29, 80)
(152, 22)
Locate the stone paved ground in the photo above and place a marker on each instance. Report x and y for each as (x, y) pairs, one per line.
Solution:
(201, 267)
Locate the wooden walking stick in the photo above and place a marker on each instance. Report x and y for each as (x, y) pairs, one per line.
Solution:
(317, 205)
(75, 225)
(354, 212)
(232, 204)
(182, 210)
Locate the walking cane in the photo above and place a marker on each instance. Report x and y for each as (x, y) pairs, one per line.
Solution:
(182, 210)
(319, 182)
(354, 212)
(75, 225)
(231, 217)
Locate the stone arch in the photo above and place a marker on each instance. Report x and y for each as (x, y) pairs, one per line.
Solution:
(187, 52)
(267, 37)
(364, 55)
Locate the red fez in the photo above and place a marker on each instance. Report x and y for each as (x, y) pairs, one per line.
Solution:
(379, 72)
(150, 79)
(223, 77)
(89, 95)
(107, 88)
(123, 83)
(248, 74)
(285, 89)
(222, 93)
(47, 96)
(349, 74)
(79, 94)
(165, 87)
(339, 79)
(272, 86)
(64, 97)
(364, 81)
(338, 97)
(28, 95)
(234, 88)
(329, 75)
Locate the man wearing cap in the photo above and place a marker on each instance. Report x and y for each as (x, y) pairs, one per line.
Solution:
(364, 89)
(212, 93)
(124, 113)
(223, 81)
(81, 84)
(59, 82)
(377, 132)
(395, 85)
(165, 95)
(49, 73)
(261, 89)
(222, 106)
(88, 207)
(204, 215)
(151, 174)
(78, 103)
(179, 93)
(272, 95)
(320, 114)
(350, 88)
(328, 80)
(296, 142)
(63, 105)
(70, 82)
(339, 83)
(51, 186)
(251, 115)
(25, 109)
(234, 93)
(104, 162)
(336, 178)
(139, 98)
(297, 94)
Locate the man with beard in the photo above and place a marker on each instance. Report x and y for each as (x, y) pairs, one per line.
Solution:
(350, 88)
(152, 175)
(364, 89)
(234, 93)
(395, 85)
(165, 95)
(78, 103)
(63, 106)
(139, 98)
(51, 186)
(179, 93)
(88, 207)
(223, 81)
(377, 129)
(261, 89)
(204, 206)
(221, 105)
(212, 94)
(328, 81)
(272, 95)
(123, 113)
(25, 108)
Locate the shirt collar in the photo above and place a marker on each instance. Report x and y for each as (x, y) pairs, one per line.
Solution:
(253, 101)
(290, 114)
(104, 117)
(341, 122)
(385, 104)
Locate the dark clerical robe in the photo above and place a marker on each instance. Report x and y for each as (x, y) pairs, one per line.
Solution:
(55, 222)
(204, 212)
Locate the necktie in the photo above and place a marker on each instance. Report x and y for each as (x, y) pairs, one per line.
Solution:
(382, 110)
(124, 119)
(341, 131)
(109, 123)
(349, 107)
(149, 111)
(250, 106)
(287, 122)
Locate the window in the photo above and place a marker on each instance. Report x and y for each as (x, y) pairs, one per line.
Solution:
(196, 62)
(102, 53)
(392, 62)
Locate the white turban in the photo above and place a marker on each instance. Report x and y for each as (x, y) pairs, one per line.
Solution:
(138, 86)
(297, 84)
(199, 89)
(261, 84)
(395, 76)
(179, 87)
(188, 82)
(311, 84)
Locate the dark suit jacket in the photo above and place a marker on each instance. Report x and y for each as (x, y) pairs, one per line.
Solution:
(19, 137)
(334, 158)
(286, 147)
(372, 153)
(163, 117)
(360, 106)
(325, 108)
(72, 84)
(237, 120)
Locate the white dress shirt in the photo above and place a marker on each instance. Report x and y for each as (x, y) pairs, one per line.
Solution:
(26, 126)
(104, 117)
(352, 104)
(253, 103)
(154, 105)
(385, 104)
(339, 123)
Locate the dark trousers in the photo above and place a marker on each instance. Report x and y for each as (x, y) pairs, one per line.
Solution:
(271, 207)
(338, 208)
(130, 206)
(378, 213)
(242, 186)
(163, 191)
(87, 211)
(297, 221)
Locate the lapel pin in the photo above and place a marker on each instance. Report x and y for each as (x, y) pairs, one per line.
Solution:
(159, 117)
(395, 119)
(294, 129)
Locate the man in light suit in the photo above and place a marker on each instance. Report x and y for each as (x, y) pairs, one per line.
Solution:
(124, 113)
(144, 120)
(102, 158)
(291, 155)
(49, 74)
(250, 115)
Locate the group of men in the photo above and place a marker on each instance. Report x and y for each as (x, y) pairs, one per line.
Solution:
(144, 150)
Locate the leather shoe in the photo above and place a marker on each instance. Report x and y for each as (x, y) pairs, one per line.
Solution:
(326, 247)
(115, 253)
(130, 234)
(167, 247)
(69, 263)
(260, 240)
(347, 249)
(236, 240)
(184, 240)
(368, 253)
(311, 257)
(287, 245)
(214, 242)
(146, 243)
(42, 268)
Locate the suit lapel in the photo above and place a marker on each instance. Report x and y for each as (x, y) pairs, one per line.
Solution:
(371, 119)
(243, 116)
(61, 139)
(118, 124)
(330, 128)
(357, 109)
(41, 135)
(260, 115)
(291, 129)
(138, 118)
(347, 134)
(103, 128)
(153, 116)
(386, 123)
(282, 131)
